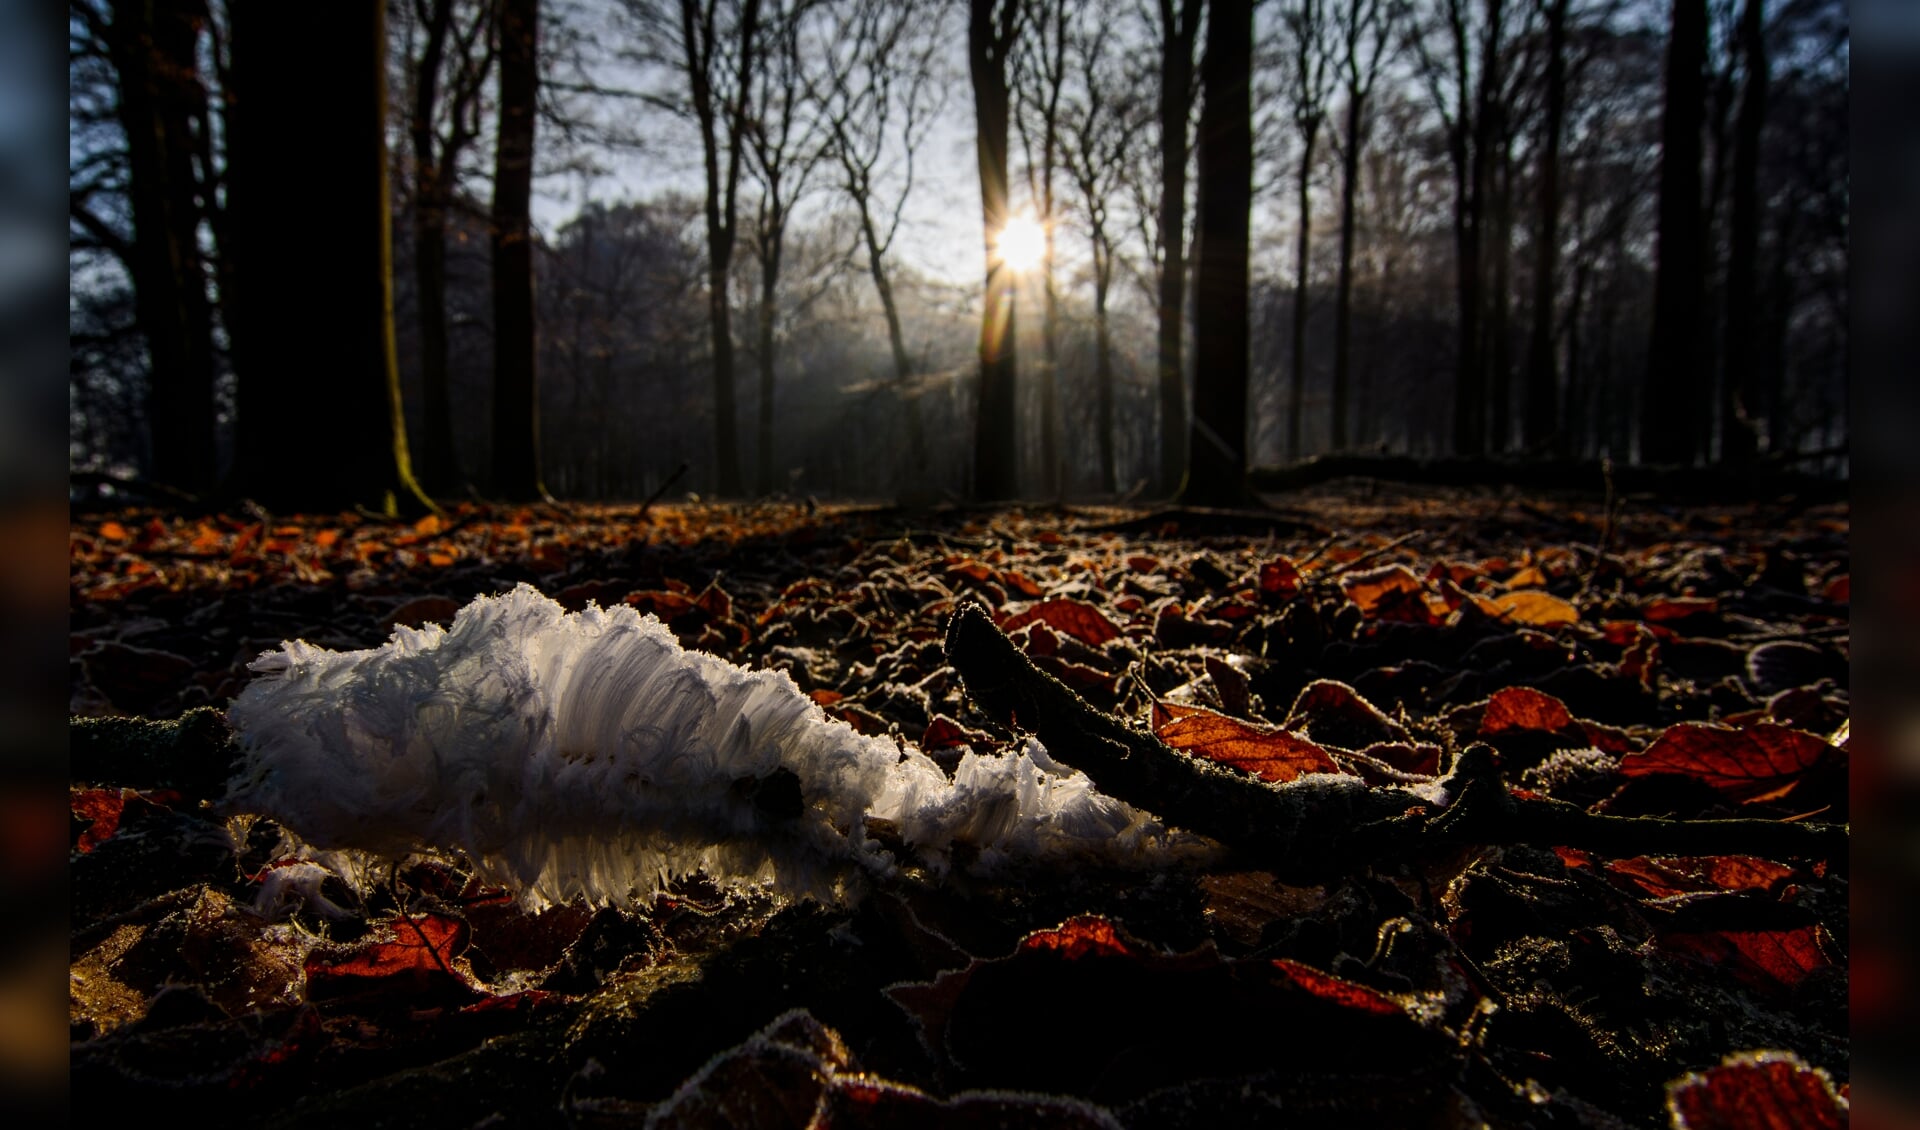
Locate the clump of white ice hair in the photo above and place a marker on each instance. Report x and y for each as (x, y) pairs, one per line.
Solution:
(589, 755)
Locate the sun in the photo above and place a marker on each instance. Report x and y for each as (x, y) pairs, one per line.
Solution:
(1022, 244)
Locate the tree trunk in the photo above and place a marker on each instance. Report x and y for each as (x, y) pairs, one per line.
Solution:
(1674, 398)
(153, 46)
(1103, 366)
(1500, 296)
(769, 287)
(1296, 398)
(897, 343)
(1177, 37)
(516, 399)
(1541, 426)
(320, 422)
(1744, 408)
(1219, 462)
(432, 192)
(1343, 296)
(989, 42)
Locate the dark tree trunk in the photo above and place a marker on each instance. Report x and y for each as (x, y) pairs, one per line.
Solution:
(319, 391)
(1500, 296)
(1219, 461)
(1296, 398)
(152, 45)
(896, 342)
(698, 39)
(1674, 399)
(1469, 185)
(1745, 406)
(439, 473)
(990, 36)
(516, 398)
(1343, 295)
(769, 297)
(1178, 34)
(1103, 364)
(1541, 426)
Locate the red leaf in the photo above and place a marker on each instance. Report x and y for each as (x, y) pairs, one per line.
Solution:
(1840, 589)
(1761, 958)
(668, 606)
(415, 962)
(1273, 755)
(1346, 994)
(102, 807)
(1279, 579)
(944, 733)
(1745, 765)
(1085, 936)
(1082, 621)
(1523, 708)
(1667, 609)
(1767, 1090)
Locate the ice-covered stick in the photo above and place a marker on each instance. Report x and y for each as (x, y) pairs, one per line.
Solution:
(587, 754)
(1323, 824)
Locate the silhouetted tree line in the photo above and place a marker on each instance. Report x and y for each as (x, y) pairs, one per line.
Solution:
(306, 270)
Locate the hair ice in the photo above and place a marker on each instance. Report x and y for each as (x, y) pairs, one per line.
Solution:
(589, 754)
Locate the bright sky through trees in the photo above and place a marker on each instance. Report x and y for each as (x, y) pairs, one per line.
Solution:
(1022, 244)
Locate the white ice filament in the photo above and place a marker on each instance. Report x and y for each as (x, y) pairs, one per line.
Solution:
(588, 754)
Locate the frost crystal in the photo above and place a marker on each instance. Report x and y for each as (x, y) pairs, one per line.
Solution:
(588, 754)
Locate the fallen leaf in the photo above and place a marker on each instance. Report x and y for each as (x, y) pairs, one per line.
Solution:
(1758, 1090)
(1271, 754)
(1075, 618)
(1745, 765)
(1531, 606)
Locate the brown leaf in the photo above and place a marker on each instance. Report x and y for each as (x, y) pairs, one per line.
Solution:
(1273, 755)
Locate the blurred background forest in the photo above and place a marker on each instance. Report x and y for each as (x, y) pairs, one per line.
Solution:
(515, 246)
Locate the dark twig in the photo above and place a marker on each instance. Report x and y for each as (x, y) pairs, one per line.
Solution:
(1326, 824)
(664, 487)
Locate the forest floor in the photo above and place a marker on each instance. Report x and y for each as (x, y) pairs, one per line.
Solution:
(1635, 658)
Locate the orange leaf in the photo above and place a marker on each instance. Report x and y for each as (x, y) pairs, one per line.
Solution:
(1369, 588)
(1674, 875)
(1082, 621)
(1523, 708)
(1273, 755)
(1531, 606)
(114, 531)
(1742, 764)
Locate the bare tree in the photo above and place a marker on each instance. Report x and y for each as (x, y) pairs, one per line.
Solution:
(516, 399)
(713, 47)
(878, 96)
(783, 150)
(1741, 407)
(161, 106)
(320, 422)
(1366, 35)
(1040, 81)
(1541, 429)
(1179, 30)
(1675, 401)
(1101, 122)
(993, 32)
(1310, 82)
(1221, 292)
(448, 77)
